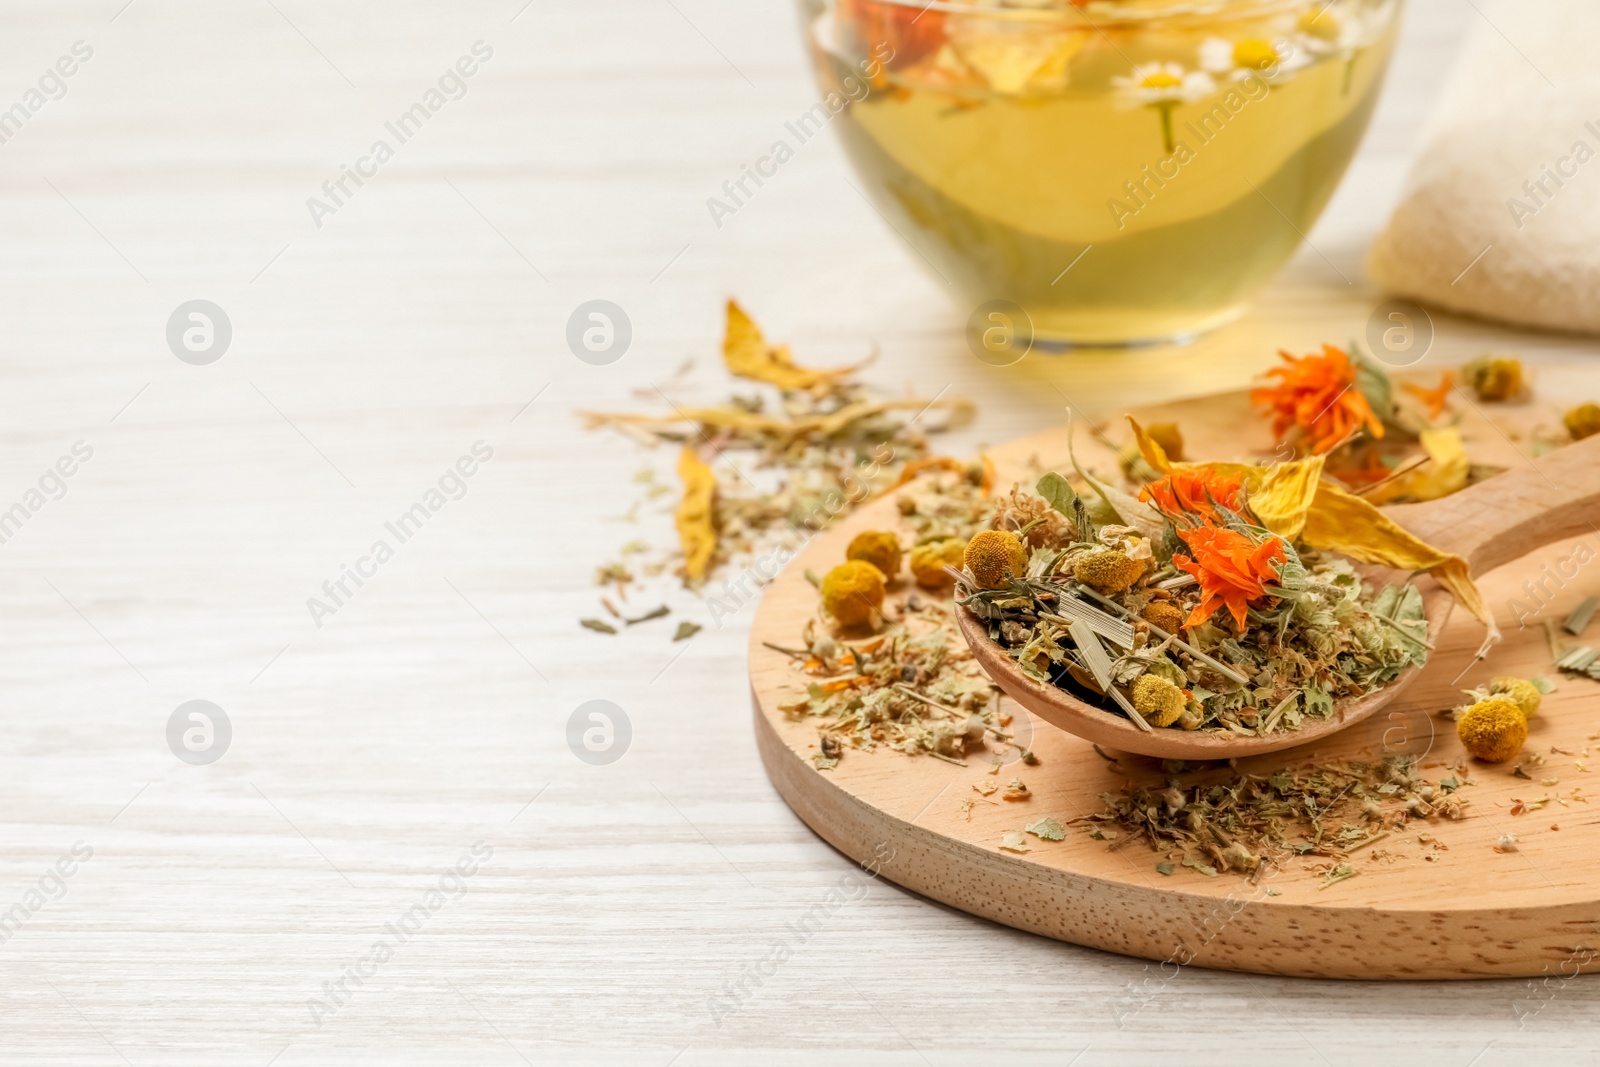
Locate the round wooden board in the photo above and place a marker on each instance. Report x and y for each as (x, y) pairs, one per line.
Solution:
(1464, 911)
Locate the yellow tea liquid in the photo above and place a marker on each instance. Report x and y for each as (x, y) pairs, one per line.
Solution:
(1032, 163)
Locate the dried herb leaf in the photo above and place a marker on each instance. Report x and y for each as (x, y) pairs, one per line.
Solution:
(1047, 829)
(1014, 841)
(654, 613)
(686, 630)
(1057, 492)
(597, 625)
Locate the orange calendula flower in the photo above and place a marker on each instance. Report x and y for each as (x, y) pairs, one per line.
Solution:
(1434, 399)
(1232, 569)
(1192, 490)
(1318, 394)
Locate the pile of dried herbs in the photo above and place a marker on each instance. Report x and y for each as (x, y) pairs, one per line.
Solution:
(764, 470)
(912, 687)
(1238, 628)
(1248, 823)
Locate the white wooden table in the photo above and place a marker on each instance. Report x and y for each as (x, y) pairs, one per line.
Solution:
(608, 905)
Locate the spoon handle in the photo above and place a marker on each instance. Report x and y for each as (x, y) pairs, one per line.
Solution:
(1552, 498)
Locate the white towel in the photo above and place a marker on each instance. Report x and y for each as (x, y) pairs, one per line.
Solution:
(1501, 216)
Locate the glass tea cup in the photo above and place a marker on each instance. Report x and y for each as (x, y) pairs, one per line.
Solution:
(1125, 172)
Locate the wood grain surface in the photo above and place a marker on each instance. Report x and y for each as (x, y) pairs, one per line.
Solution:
(430, 711)
(1438, 900)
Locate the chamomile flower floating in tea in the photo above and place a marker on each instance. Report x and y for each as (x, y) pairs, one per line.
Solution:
(1321, 32)
(1161, 87)
(1237, 60)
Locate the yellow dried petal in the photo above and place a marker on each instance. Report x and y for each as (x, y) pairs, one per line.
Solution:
(1150, 448)
(1284, 495)
(748, 355)
(1445, 473)
(1170, 438)
(1343, 522)
(696, 533)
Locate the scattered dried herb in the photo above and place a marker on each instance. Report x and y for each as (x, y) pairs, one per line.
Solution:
(686, 630)
(786, 460)
(912, 687)
(1047, 829)
(597, 625)
(1230, 820)
(1014, 841)
(760, 473)
(654, 613)
(1582, 615)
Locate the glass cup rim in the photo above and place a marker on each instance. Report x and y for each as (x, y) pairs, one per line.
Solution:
(1201, 11)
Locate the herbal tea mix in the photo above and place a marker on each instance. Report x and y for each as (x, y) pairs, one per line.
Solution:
(1218, 596)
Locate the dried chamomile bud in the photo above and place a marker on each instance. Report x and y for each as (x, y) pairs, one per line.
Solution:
(853, 593)
(1158, 700)
(877, 547)
(993, 557)
(1109, 570)
(1583, 420)
(1494, 377)
(928, 561)
(1524, 694)
(1493, 730)
(1163, 613)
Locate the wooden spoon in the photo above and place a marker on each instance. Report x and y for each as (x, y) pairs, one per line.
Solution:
(1489, 524)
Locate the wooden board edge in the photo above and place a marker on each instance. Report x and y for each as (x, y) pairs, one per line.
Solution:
(1244, 931)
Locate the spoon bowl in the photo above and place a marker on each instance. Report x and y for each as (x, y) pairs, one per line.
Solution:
(1489, 524)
